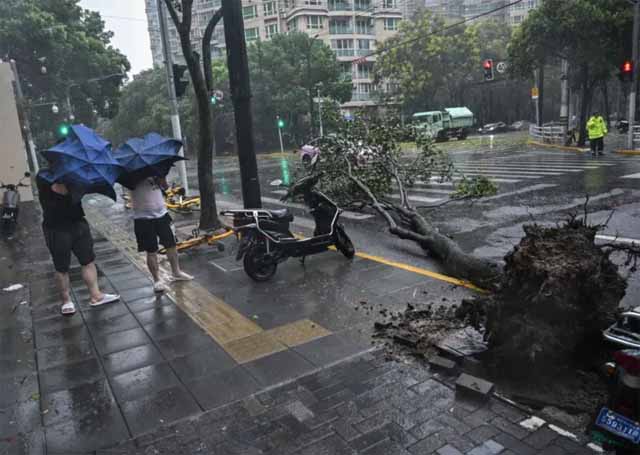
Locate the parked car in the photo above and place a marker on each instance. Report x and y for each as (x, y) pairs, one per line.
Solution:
(520, 125)
(626, 331)
(494, 128)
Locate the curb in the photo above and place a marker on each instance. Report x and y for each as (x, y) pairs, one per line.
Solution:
(564, 148)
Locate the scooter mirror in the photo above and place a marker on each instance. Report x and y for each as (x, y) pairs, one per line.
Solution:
(27, 174)
(276, 182)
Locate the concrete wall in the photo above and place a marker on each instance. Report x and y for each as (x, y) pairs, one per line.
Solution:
(13, 156)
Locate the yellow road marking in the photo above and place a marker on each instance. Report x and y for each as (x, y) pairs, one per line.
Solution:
(420, 271)
(298, 332)
(564, 148)
(628, 152)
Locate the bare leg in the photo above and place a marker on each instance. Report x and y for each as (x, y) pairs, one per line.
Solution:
(172, 255)
(152, 263)
(64, 287)
(90, 277)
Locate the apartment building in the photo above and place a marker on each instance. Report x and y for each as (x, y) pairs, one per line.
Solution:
(350, 27)
(465, 9)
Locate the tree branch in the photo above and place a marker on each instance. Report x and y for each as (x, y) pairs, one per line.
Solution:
(173, 14)
(206, 48)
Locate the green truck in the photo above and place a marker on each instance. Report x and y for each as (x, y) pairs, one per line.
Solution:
(443, 125)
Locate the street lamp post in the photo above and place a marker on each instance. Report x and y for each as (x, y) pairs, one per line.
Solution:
(634, 80)
(320, 109)
(25, 119)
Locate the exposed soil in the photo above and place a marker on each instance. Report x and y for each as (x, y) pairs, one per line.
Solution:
(543, 327)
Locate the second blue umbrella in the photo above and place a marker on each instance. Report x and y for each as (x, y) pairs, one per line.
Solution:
(151, 156)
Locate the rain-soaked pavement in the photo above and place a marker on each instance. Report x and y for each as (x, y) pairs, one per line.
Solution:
(225, 365)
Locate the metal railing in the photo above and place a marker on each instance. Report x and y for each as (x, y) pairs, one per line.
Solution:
(548, 134)
(338, 30)
(358, 96)
(339, 6)
(344, 52)
(636, 137)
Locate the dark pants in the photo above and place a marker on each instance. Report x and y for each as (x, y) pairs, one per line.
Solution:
(597, 145)
(75, 238)
(148, 231)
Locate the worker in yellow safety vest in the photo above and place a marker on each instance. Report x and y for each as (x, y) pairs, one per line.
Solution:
(597, 130)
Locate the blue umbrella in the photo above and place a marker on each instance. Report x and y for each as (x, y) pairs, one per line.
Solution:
(151, 156)
(84, 162)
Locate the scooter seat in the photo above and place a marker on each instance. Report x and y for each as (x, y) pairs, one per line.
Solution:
(283, 215)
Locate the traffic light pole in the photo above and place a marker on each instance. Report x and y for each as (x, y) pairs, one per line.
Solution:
(634, 79)
(173, 101)
(240, 85)
(25, 119)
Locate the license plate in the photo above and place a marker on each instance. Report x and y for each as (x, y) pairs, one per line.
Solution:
(618, 425)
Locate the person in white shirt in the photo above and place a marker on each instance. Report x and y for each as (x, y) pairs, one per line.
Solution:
(152, 223)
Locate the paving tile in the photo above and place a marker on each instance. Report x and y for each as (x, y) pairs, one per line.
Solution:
(143, 381)
(14, 389)
(508, 427)
(134, 283)
(541, 438)
(94, 315)
(368, 440)
(387, 448)
(24, 444)
(71, 375)
(482, 433)
(22, 417)
(69, 335)
(202, 363)
(187, 343)
(113, 325)
(331, 445)
(57, 322)
(161, 408)
(122, 340)
(224, 387)
(159, 314)
(76, 403)
(278, 367)
(252, 347)
(511, 443)
(449, 450)
(428, 445)
(131, 359)
(65, 354)
(170, 327)
(327, 350)
(149, 303)
(86, 434)
(298, 332)
(135, 294)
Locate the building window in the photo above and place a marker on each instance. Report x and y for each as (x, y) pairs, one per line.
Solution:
(362, 5)
(314, 22)
(343, 47)
(364, 27)
(340, 26)
(269, 8)
(251, 34)
(517, 19)
(365, 70)
(312, 2)
(292, 25)
(271, 30)
(391, 24)
(532, 4)
(249, 12)
(389, 4)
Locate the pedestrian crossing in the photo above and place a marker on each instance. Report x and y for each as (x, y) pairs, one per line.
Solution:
(506, 172)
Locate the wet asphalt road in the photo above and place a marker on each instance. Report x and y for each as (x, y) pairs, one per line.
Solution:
(534, 185)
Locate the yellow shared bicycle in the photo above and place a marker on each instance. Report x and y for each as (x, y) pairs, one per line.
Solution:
(211, 238)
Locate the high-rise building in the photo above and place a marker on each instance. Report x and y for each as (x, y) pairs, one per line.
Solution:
(350, 27)
(465, 9)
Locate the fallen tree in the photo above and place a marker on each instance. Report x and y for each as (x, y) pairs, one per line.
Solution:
(555, 293)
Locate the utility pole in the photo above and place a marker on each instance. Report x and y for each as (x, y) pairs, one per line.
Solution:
(280, 134)
(25, 118)
(173, 101)
(564, 96)
(320, 110)
(241, 95)
(634, 80)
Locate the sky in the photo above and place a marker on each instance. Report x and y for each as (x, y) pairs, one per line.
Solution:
(128, 21)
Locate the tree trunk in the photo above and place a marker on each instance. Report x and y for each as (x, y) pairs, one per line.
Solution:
(541, 94)
(206, 62)
(208, 210)
(585, 103)
(605, 100)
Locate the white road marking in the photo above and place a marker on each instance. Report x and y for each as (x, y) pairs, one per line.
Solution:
(631, 176)
(533, 423)
(524, 168)
(427, 200)
(497, 180)
(430, 190)
(611, 238)
(528, 189)
(511, 172)
(501, 175)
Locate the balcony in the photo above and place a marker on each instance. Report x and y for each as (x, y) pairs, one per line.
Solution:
(357, 96)
(363, 7)
(365, 30)
(339, 6)
(340, 30)
(344, 52)
(363, 52)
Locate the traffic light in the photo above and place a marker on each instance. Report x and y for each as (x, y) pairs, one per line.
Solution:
(63, 130)
(487, 66)
(179, 80)
(280, 122)
(214, 100)
(626, 71)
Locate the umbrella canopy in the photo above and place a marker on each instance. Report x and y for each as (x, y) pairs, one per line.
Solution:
(84, 162)
(151, 156)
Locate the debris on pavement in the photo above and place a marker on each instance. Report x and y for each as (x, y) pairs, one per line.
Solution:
(13, 287)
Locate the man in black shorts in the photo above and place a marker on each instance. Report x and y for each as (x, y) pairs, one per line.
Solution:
(152, 223)
(66, 231)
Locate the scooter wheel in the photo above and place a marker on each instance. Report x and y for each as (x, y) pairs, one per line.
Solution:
(344, 243)
(258, 268)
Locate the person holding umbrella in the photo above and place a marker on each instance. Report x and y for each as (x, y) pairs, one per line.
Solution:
(147, 162)
(60, 189)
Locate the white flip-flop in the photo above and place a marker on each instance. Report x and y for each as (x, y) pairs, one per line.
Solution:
(182, 277)
(107, 298)
(68, 309)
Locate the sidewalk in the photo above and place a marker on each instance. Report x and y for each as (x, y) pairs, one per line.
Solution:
(192, 373)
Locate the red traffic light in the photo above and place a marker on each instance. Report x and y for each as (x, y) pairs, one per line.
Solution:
(487, 64)
(627, 67)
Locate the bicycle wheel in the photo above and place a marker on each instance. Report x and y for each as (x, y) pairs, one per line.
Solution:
(344, 243)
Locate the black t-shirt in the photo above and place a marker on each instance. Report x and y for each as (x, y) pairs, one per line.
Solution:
(58, 211)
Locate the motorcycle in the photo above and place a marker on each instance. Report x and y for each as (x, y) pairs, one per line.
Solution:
(266, 239)
(11, 204)
(616, 424)
(622, 126)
